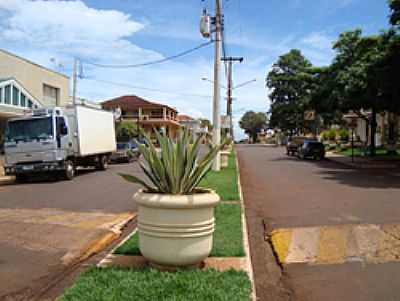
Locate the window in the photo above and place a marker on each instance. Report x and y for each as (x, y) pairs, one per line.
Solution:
(30, 104)
(15, 96)
(50, 95)
(30, 129)
(1, 95)
(23, 100)
(7, 94)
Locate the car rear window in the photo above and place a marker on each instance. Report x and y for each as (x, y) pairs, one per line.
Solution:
(315, 144)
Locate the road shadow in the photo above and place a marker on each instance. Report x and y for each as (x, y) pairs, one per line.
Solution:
(363, 178)
(357, 177)
(54, 177)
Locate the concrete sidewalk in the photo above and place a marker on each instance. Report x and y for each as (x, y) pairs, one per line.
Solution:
(363, 162)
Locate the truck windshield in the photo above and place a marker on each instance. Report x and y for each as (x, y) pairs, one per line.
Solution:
(30, 129)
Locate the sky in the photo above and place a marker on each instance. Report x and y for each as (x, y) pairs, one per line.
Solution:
(120, 32)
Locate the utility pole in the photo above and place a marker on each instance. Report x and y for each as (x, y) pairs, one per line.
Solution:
(216, 101)
(74, 81)
(229, 98)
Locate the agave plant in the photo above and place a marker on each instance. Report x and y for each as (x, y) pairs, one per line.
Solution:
(176, 168)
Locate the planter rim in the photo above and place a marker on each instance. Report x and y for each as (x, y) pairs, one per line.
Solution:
(208, 198)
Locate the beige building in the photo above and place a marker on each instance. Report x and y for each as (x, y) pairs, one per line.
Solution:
(148, 115)
(25, 85)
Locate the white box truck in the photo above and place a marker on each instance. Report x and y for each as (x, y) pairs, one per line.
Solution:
(58, 140)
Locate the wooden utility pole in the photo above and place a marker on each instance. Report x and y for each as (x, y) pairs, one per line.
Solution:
(229, 97)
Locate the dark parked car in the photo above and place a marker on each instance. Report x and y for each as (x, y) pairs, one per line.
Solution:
(311, 149)
(126, 152)
(293, 145)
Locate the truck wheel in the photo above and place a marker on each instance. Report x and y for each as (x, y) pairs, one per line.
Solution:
(103, 163)
(69, 171)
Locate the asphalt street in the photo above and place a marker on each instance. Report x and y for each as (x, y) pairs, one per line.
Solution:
(319, 230)
(46, 224)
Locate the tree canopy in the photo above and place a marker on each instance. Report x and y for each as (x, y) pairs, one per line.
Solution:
(252, 123)
(395, 12)
(363, 78)
(289, 81)
(126, 130)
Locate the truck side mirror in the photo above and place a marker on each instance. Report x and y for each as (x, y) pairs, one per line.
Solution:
(63, 130)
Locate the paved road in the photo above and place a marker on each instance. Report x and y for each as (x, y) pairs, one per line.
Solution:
(46, 225)
(335, 230)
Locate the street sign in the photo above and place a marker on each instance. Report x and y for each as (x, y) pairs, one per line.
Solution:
(309, 115)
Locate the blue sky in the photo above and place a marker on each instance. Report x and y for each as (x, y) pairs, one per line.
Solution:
(135, 31)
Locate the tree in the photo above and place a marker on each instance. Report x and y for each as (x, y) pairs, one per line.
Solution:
(289, 81)
(324, 96)
(252, 123)
(126, 130)
(205, 123)
(395, 12)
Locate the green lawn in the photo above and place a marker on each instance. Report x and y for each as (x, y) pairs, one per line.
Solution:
(224, 182)
(130, 247)
(381, 153)
(228, 237)
(116, 284)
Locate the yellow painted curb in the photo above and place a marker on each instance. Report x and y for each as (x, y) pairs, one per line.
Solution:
(281, 240)
(98, 244)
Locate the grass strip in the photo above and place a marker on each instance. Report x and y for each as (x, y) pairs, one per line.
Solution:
(115, 284)
(224, 182)
(380, 153)
(228, 236)
(130, 247)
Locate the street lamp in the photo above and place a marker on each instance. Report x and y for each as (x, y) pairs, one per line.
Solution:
(211, 81)
(235, 87)
(244, 84)
(230, 89)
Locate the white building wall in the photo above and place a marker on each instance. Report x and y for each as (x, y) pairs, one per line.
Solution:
(33, 77)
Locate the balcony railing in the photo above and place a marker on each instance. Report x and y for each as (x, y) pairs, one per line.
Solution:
(148, 117)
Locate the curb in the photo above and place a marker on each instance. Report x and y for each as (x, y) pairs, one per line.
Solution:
(97, 244)
(103, 262)
(6, 180)
(245, 233)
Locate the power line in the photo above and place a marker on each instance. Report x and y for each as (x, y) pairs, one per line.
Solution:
(147, 89)
(186, 52)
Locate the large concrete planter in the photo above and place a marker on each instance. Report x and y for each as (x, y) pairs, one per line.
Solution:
(176, 230)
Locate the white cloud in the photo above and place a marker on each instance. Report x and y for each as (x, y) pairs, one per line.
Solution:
(71, 27)
(318, 40)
